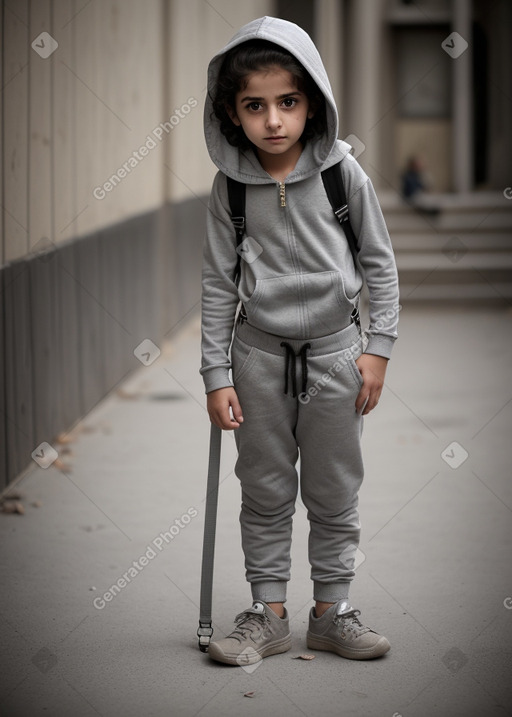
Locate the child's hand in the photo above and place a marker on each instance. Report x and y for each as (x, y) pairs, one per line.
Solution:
(218, 404)
(373, 370)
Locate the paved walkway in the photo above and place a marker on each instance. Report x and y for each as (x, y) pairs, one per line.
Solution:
(127, 499)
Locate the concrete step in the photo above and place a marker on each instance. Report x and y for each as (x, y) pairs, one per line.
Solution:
(476, 212)
(472, 294)
(455, 259)
(474, 241)
(461, 255)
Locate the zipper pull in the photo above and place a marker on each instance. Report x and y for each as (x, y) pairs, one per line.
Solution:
(282, 194)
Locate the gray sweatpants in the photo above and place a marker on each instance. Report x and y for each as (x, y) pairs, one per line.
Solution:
(321, 425)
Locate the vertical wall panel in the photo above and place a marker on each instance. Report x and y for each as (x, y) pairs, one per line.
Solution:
(16, 49)
(84, 72)
(46, 359)
(18, 367)
(90, 322)
(68, 342)
(63, 125)
(3, 401)
(2, 199)
(114, 285)
(40, 223)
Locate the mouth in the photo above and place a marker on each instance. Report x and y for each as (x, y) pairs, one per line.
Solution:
(277, 138)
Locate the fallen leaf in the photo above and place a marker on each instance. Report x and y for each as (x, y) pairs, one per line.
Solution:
(121, 393)
(11, 506)
(61, 466)
(13, 496)
(64, 438)
(304, 657)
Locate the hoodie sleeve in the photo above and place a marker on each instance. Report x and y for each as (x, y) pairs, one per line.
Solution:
(377, 262)
(219, 298)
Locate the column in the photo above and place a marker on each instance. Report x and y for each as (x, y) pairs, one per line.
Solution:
(462, 110)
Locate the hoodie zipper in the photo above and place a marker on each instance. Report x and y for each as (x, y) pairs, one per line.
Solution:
(282, 194)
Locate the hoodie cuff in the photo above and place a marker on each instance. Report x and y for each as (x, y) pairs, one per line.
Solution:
(380, 345)
(215, 378)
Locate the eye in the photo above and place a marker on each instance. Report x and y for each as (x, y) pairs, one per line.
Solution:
(289, 102)
(253, 106)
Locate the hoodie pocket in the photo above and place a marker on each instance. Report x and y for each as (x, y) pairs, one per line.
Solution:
(300, 305)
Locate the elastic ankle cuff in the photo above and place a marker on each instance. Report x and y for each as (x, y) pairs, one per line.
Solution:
(330, 592)
(270, 591)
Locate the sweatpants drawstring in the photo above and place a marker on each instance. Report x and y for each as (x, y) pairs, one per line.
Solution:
(290, 368)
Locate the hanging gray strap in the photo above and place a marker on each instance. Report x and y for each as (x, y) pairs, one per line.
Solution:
(205, 630)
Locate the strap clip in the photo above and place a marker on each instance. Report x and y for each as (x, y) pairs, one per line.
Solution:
(238, 223)
(204, 633)
(342, 213)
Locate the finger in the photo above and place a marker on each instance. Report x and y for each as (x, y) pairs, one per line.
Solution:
(362, 398)
(373, 400)
(370, 405)
(220, 420)
(236, 410)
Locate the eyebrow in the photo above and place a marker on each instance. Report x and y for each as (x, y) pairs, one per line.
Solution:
(279, 97)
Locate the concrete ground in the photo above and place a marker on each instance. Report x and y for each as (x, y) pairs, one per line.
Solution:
(126, 497)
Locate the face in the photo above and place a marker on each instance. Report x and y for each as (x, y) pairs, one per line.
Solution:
(272, 112)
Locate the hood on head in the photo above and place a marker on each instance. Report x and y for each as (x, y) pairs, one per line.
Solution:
(242, 164)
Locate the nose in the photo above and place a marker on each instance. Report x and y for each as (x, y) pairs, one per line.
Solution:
(273, 118)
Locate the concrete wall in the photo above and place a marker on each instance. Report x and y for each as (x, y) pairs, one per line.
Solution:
(104, 183)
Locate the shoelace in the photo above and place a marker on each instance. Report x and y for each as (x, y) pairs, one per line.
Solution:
(249, 622)
(349, 622)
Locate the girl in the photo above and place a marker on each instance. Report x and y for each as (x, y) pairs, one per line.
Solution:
(287, 371)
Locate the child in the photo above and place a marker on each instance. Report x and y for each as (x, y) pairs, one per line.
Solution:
(301, 382)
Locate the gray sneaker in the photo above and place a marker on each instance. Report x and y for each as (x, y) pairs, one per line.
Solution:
(339, 630)
(259, 633)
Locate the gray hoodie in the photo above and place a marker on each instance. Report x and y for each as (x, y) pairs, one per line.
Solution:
(298, 279)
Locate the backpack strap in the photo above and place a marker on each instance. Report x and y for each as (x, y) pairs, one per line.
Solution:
(236, 196)
(333, 183)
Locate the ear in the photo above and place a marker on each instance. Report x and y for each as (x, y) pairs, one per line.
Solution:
(233, 115)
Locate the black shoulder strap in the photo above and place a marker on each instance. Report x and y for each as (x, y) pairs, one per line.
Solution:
(236, 196)
(333, 183)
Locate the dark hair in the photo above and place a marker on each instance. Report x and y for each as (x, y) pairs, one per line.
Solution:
(252, 56)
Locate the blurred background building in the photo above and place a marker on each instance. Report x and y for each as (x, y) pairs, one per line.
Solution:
(105, 175)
